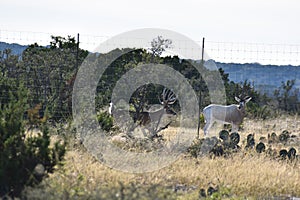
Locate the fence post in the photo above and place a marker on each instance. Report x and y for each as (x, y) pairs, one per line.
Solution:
(77, 52)
(200, 94)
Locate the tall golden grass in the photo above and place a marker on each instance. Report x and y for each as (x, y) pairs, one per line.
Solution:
(244, 174)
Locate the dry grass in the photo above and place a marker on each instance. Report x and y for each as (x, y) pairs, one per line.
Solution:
(263, 127)
(244, 173)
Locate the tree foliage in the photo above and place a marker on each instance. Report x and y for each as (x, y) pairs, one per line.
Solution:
(287, 97)
(24, 159)
(159, 45)
(47, 72)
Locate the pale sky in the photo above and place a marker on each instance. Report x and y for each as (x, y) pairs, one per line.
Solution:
(262, 21)
(254, 21)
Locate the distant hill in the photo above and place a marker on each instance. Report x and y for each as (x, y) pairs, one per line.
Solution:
(265, 78)
(16, 49)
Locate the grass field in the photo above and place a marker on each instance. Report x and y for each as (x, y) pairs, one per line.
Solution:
(245, 174)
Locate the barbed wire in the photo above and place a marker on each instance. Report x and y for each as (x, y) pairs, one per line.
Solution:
(227, 52)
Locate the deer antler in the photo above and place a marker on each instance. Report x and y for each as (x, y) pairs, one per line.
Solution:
(168, 97)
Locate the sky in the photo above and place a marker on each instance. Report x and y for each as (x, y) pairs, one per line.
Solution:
(250, 21)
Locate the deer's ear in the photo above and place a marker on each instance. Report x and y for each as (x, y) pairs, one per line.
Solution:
(237, 99)
(247, 100)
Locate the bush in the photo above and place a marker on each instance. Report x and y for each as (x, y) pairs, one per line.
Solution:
(105, 121)
(258, 111)
(23, 160)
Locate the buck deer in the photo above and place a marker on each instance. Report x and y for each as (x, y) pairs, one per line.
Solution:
(231, 114)
(168, 98)
(149, 120)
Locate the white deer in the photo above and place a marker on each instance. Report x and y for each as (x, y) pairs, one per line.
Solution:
(231, 114)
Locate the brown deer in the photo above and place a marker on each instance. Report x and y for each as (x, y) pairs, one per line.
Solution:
(148, 120)
(145, 117)
(151, 119)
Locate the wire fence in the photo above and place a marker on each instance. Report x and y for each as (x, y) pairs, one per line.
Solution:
(226, 52)
(266, 79)
(278, 54)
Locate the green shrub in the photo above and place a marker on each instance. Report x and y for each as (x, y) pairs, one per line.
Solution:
(195, 148)
(258, 111)
(105, 121)
(23, 160)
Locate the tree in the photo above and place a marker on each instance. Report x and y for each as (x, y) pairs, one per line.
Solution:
(49, 73)
(159, 45)
(288, 98)
(24, 160)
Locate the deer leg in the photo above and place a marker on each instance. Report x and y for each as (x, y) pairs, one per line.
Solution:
(235, 128)
(144, 132)
(207, 126)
